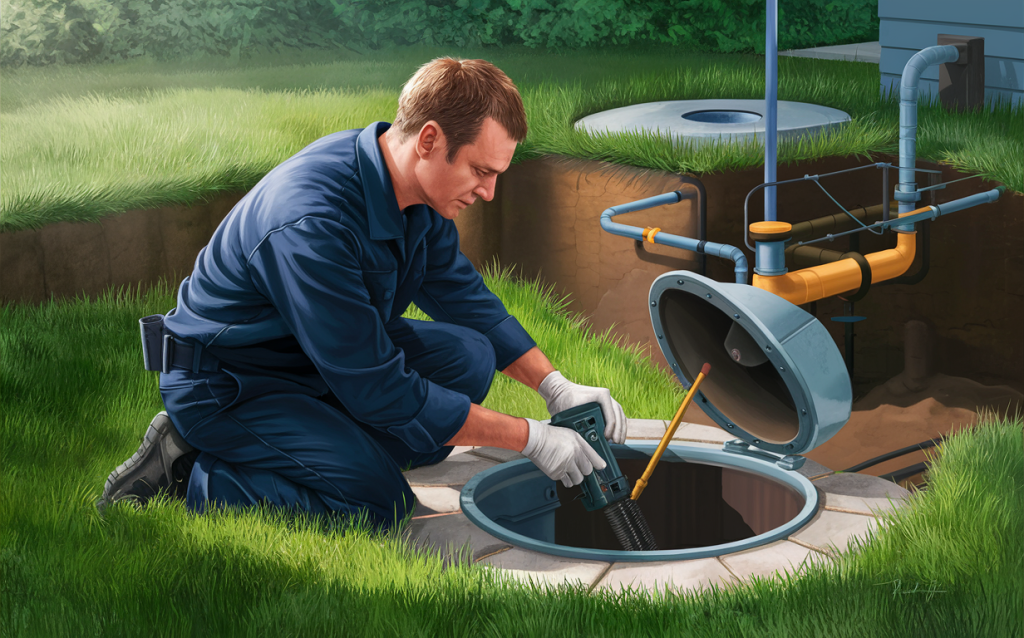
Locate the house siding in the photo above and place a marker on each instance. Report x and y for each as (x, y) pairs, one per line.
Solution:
(907, 26)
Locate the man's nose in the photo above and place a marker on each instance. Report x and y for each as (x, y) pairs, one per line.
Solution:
(485, 190)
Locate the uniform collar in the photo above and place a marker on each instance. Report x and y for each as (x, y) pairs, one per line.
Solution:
(385, 219)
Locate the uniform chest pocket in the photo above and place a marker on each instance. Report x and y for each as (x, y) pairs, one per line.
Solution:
(381, 285)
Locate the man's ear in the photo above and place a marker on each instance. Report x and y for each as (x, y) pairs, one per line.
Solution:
(431, 140)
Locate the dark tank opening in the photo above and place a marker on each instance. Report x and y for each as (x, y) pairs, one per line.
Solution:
(755, 397)
(686, 505)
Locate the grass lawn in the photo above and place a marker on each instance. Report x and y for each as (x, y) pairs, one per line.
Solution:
(75, 402)
(82, 142)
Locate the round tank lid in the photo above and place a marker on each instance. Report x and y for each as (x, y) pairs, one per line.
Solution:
(777, 380)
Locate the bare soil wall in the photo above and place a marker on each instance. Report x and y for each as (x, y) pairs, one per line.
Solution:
(134, 249)
(972, 297)
(544, 219)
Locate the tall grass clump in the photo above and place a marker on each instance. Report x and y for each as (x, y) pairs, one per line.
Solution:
(959, 548)
(69, 160)
(554, 109)
(74, 403)
(80, 144)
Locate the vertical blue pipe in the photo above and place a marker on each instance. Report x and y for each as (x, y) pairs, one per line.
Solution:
(771, 89)
(906, 191)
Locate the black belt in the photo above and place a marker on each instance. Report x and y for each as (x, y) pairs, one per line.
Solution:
(162, 351)
(181, 354)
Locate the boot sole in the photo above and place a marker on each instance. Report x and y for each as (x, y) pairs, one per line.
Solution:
(161, 438)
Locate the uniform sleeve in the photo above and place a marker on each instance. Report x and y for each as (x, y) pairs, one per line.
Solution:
(310, 272)
(454, 292)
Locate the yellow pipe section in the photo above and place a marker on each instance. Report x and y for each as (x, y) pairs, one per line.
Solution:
(817, 282)
(641, 482)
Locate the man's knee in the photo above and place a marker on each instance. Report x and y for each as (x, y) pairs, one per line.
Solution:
(479, 360)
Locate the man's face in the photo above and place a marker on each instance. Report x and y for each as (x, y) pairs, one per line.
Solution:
(448, 188)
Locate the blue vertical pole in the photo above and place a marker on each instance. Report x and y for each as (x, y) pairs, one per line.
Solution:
(771, 90)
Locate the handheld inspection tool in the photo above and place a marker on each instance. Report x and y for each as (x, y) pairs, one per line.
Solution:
(607, 489)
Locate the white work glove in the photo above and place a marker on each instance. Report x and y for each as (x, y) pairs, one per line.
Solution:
(561, 453)
(561, 394)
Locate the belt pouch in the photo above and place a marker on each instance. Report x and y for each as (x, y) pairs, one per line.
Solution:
(152, 328)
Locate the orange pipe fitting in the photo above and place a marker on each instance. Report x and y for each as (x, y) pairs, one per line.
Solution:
(817, 282)
(649, 233)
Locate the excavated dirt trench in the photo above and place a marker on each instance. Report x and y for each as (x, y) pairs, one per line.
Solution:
(545, 220)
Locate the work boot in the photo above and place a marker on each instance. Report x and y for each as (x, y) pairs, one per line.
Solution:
(162, 463)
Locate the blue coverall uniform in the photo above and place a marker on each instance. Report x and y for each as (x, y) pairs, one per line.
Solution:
(312, 391)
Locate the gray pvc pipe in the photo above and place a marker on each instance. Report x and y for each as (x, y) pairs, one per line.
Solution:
(906, 191)
(676, 241)
(906, 224)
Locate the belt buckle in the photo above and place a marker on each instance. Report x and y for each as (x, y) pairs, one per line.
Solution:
(168, 354)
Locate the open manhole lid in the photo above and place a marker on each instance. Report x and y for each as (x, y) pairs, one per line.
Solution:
(777, 380)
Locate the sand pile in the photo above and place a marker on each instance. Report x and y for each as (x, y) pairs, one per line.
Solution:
(893, 416)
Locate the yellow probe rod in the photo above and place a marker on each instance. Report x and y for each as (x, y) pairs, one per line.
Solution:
(641, 482)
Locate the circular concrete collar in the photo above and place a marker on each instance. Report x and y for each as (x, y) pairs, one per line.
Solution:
(509, 474)
(705, 121)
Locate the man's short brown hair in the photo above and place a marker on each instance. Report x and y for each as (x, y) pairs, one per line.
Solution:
(459, 95)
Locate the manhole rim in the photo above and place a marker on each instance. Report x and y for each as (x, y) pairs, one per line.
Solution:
(793, 120)
(706, 456)
(687, 114)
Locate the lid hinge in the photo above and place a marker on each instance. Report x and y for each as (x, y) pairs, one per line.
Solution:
(738, 446)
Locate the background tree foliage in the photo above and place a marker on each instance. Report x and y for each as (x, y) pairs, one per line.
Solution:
(40, 32)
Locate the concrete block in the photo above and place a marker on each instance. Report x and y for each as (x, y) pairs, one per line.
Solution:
(448, 535)
(436, 500)
(454, 470)
(545, 570)
(645, 429)
(498, 454)
(700, 433)
(833, 531)
(680, 576)
(700, 444)
(870, 506)
(861, 485)
(771, 559)
(813, 468)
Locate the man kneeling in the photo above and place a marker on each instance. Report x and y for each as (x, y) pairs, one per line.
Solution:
(288, 373)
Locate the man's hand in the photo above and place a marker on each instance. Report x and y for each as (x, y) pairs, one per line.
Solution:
(561, 394)
(561, 453)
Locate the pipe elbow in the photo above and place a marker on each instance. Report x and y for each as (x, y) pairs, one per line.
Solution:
(792, 286)
(891, 263)
(922, 60)
(817, 282)
(741, 265)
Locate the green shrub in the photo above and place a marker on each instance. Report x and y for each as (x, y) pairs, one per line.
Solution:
(42, 32)
(722, 26)
(39, 32)
(738, 26)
